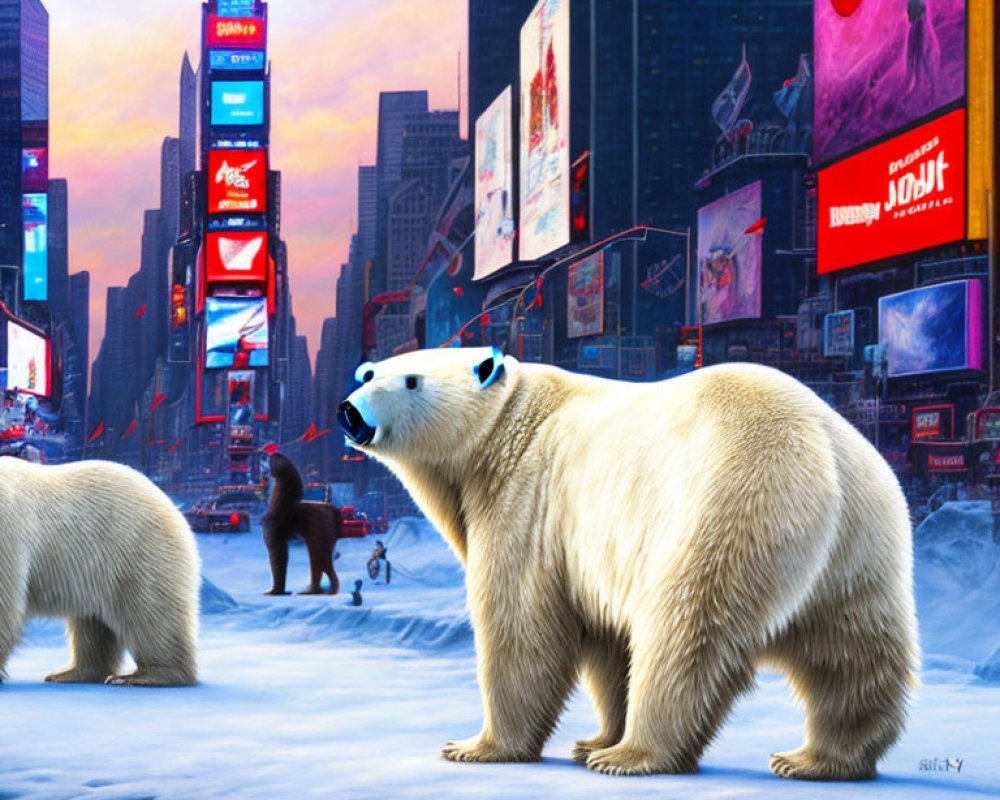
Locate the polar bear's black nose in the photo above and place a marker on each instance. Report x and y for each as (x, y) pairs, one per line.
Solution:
(354, 425)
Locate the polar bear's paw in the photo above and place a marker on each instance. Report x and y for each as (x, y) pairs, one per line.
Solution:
(803, 764)
(627, 759)
(151, 676)
(74, 675)
(476, 749)
(584, 747)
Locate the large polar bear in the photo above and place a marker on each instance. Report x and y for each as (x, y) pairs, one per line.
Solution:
(97, 543)
(664, 539)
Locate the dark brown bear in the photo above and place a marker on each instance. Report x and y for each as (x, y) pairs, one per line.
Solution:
(288, 515)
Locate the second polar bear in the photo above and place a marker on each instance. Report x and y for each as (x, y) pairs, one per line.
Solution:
(100, 545)
(663, 539)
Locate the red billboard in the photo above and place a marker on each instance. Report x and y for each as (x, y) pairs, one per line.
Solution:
(901, 196)
(241, 32)
(237, 181)
(236, 256)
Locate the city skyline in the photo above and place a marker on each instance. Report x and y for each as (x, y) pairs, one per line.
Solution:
(106, 132)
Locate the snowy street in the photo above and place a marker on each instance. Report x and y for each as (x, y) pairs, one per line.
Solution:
(310, 697)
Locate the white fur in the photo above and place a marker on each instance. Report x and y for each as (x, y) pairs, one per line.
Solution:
(99, 544)
(661, 540)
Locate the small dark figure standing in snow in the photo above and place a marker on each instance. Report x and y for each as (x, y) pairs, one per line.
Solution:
(356, 594)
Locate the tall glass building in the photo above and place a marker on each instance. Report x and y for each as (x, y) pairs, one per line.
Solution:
(24, 92)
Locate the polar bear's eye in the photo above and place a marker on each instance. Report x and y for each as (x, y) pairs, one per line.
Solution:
(411, 381)
(368, 376)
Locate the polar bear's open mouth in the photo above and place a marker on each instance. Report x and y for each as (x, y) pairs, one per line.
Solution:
(354, 425)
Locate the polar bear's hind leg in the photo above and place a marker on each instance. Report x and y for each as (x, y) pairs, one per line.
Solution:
(96, 652)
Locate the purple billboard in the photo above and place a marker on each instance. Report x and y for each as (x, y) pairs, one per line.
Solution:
(933, 329)
(729, 256)
(881, 65)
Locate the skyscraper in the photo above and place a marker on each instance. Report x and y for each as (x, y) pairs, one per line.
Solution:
(24, 99)
(188, 119)
(58, 246)
(394, 108)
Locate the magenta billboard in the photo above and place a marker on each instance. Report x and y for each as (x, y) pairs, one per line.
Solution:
(881, 65)
(729, 256)
(933, 329)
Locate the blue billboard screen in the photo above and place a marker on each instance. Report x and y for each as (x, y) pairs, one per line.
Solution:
(235, 332)
(236, 59)
(236, 8)
(238, 103)
(36, 246)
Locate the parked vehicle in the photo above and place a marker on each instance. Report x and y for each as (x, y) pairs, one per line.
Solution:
(357, 524)
(227, 512)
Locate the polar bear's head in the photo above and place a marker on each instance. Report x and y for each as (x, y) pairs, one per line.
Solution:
(428, 405)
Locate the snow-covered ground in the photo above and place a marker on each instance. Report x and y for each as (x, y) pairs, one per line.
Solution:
(310, 697)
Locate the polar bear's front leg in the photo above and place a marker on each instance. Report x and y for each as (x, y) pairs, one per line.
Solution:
(527, 665)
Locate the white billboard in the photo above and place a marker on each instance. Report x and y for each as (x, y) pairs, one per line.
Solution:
(494, 187)
(27, 360)
(544, 140)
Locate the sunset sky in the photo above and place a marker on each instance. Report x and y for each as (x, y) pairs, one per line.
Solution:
(113, 79)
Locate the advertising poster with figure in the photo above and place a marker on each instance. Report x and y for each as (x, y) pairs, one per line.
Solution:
(932, 329)
(729, 256)
(544, 143)
(585, 297)
(494, 187)
(881, 65)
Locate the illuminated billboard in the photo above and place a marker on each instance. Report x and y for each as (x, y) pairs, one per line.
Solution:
(236, 256)
(932, 329)
(838, 334)
(237, 181)
(236, 59)
(36, 246)
(34, 169)
(236, 8)
(237, 102)
(901, 196)
(881, 65)
(28, 360)
(236, 32)
(235, 332)
(494, 187)
(585, 297)
(729, 256)
(544, 140)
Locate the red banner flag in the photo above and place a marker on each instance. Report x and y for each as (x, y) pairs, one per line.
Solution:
(271, 448)
(97, 432)
(141, 311)
(757, 227)
(157, 401)
(173, 448)
(130, 428)
(312, 435)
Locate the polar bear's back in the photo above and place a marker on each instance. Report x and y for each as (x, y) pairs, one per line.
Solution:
(94, 524)
(636, 466)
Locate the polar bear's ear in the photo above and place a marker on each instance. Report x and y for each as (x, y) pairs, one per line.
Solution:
(490, 369)
(365, 372)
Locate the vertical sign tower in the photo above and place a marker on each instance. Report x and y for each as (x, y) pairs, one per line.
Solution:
(236, 297)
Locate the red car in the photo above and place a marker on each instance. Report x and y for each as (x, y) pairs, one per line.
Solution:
(229, 512)
(357, 525)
